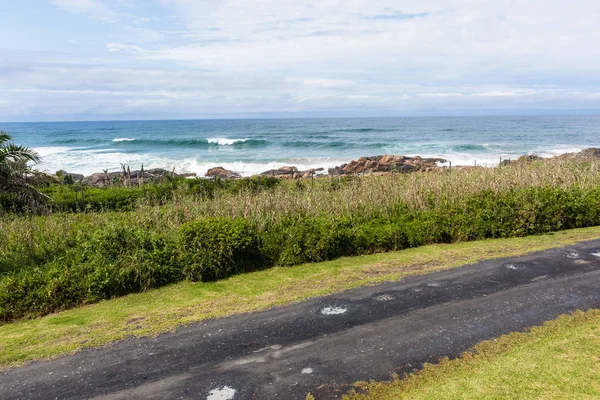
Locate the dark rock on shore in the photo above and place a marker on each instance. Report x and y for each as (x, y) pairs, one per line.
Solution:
(386, 164)
(220, 172)
(590, 153)
(379, 165)
(586, 154)
(529, 158)
(289, 172)
(283, 172)
(69, 175)
(102, 179)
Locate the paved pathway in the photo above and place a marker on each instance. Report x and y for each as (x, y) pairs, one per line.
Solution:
(323, 345)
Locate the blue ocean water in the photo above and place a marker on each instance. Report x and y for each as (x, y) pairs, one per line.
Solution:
(253, 146)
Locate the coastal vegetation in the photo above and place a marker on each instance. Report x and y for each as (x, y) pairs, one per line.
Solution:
(104, 243)
(17, 179)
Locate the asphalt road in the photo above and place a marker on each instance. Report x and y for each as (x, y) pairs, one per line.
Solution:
(323, 345)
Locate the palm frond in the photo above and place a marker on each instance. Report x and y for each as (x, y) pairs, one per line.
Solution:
(4, 137)
(13, 152)
(18, 182)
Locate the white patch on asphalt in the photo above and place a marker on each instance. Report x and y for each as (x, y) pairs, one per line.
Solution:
(274, 347)
(307, 371)
(434, 284)
(222, 393)
(333, 310)
(581, 262)
(572, 254)
(596, 254)
(537, 278)
(512, 266)
(384, 297)
(277, 351)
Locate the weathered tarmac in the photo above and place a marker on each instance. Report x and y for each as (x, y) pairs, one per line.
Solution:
(323, 345)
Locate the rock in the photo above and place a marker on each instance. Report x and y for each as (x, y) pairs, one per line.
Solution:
(76, 177)
(221, 172)
(386, 164)
(133, 178)
(529, 158)
(158, 172)
(286, 172)
(586, 154)
(309, 173)
(98, 179)
(590, 153)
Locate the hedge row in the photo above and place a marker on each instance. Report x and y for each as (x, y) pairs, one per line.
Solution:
(118, 259)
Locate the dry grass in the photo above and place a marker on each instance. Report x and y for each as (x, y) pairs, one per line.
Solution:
(377, 195)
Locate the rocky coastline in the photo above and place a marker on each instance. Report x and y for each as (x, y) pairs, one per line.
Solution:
(374, 165)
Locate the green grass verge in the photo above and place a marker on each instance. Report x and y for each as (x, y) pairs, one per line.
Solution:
(558, 360)
(166, 308)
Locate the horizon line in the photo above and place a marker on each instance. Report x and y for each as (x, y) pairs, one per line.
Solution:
(286, 116)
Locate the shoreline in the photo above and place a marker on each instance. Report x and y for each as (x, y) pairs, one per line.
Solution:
(372, 165)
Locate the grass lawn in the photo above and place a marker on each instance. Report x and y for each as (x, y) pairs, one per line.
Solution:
(167, 308)
(559, 360)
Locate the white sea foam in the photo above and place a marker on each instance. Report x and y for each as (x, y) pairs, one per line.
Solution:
(47, 151)
(88, 161)
(225, 141)
(255, 168)
(123, 139)
(556, 151)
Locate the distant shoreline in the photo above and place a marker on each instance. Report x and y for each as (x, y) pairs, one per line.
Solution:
(372, 165)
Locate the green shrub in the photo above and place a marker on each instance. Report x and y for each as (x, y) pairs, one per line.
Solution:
(100, 256)
(218, 247)
(78, 198)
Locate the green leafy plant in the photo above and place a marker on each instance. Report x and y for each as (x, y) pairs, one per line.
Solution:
(17, 179)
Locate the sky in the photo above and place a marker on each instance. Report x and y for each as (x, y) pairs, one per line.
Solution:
(169, 59)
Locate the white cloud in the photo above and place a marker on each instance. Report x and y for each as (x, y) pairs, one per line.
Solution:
(117, 47)
(441, 94)
(510, 93)
(282, 55)
(95, 8)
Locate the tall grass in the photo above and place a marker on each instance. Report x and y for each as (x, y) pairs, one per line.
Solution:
(377, 196)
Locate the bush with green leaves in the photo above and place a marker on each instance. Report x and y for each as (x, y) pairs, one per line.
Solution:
(18, 192)
(105, 255)
(76, 197)
(215, 248)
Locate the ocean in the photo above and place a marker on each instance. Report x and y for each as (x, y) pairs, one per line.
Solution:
(253, 146)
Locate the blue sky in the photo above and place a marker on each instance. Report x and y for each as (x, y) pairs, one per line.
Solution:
(155, 59)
